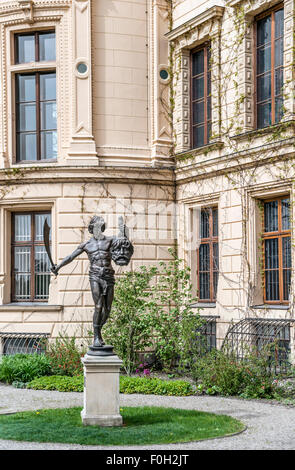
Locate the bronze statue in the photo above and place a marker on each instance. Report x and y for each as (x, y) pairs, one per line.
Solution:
(101, 250)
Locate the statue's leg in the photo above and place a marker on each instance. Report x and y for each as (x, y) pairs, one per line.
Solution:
(108, 300)
(98, 313)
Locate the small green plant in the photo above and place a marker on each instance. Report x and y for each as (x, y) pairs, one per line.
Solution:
(24, 367)
(58, 382)
(219, 373)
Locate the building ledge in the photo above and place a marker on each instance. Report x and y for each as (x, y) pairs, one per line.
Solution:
(271, 307)
(209, 14)
(204, 305)
(30, 306)
(192, 153)
(275, 129)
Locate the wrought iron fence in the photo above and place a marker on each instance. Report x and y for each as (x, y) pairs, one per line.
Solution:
(260, 335)
(23, 343)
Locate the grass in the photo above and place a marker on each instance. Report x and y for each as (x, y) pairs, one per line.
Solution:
(142, 426)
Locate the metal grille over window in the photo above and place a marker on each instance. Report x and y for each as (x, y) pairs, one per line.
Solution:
(207, 335)
(261, 336)
(23, 343)
(31, 266)
(208, 264)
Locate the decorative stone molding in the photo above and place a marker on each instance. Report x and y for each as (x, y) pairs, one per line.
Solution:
(82, 145)
(27, 7)
(198, 30)
(161, 128)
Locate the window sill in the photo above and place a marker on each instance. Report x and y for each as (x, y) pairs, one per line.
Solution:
(30, 306)
(204, 305)
(191, 153)
(271, 306)
(264, 131)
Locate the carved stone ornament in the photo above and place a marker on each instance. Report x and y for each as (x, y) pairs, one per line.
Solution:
(27, 8)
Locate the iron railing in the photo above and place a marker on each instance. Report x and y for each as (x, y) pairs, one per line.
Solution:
(22, 343)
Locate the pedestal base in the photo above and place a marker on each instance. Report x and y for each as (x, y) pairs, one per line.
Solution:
(101, 391)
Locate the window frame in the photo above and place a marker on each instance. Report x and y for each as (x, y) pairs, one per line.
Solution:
(32, 243)
(271, 12)
(35, 68)
(211, 240)
(279, 234)
(206, 47)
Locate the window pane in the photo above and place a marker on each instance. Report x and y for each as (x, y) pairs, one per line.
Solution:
(48, 145)
(205, 224)
(198, 62)
(204, 257)
(198, 136)
(286, 214)
(279, 81)
(215, 222)
(287, 282)
(279, 52)
(26, 88)
(22, 227)
(264, 87)
(26, 117)
(26, 146)
(264, 115)
(286, 241)
(39, 223)
(263, 59)
(47, 86)
(204, 292)
(215, 257)
(22, 275)
(271, 254)
(48, 115)
(198, 88)
(25, 49)
(279, 23)
(271, 216)
(198, 112)
(47, 46)
(264, 30)
(272, 285)
(42, 273)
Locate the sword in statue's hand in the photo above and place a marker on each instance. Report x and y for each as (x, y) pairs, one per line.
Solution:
(46, 230)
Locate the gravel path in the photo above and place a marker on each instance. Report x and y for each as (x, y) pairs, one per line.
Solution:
(269, 426)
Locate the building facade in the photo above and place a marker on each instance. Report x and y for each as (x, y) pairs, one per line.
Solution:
(178, 115)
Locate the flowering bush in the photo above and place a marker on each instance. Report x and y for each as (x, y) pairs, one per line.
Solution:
(65, 356)
(143, 370)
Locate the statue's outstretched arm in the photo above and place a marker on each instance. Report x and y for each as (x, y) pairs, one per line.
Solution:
(68, 259)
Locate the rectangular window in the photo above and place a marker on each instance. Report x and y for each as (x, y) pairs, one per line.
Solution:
(269, 67)
(277, 250)
(208, 264)
(31, 266)
(35, 102)
(200, 97)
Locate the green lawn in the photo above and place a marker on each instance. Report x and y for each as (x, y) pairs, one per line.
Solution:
(142, 425)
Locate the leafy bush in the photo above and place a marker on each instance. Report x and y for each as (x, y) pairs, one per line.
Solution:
(174, 314)
(65, 356)
(221, 373)
(23, 367)
(127, 385)
(130, 327)
(59, 383)
(155, 386)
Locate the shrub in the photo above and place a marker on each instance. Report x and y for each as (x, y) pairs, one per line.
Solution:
(130, 327)
(221, 373)
(155, 386)
(59, 383)
(23, 367)
(65, 356)
(127, 385)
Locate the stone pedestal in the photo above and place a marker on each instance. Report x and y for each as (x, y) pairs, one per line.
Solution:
(101, 390)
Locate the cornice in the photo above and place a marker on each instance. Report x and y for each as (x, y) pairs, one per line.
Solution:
(215, 12)
(96, 174)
